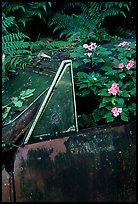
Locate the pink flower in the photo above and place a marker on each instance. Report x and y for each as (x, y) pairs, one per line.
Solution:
(121, 65)
(92, 46)
(116, 111)
(85, 46)
(114, 89)
(119, 110)
(122, 44)
(130, 64)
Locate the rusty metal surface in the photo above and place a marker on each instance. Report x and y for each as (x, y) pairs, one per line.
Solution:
(5, 186)
(93, 165)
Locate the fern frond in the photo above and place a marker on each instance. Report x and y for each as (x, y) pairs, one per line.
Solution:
(75, 23)
(19, 61)
(97, 6)
(13, 6)
(112, 8)
(14, 48)
(14, 36)
(72, 5)
(65, 23)
(112, 12)
(37, 9)
(13, 42)
(7, 23)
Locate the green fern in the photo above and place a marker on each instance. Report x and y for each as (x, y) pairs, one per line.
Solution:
(7, 23)
(110, 8)
(73, 24)
(28, 10)
(13, 6)
(73, 5)
(63, 22)
(14, 48)
(13, 42)
(91, 18)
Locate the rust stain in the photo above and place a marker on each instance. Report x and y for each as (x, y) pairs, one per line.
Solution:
(120, 129)
(57, 146)
(31, 173)
(5, 186)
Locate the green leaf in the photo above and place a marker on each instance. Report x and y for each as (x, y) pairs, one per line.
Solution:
(122, 75)
(27, 93)
(56, 28)
(18, 104)
(97, 115)
(124, 61)
(49, 3)
(27, 96)
(102, 105)
(86, 61)
(103, 92)
(14, 99)
(120, 83)
(95, 60)
(124, 116)
(106, 99)
(133, 91)
(120, 101)
(125, 94)
(113, 100)
(82, 75)
(109, 107)
(106, 68)
(84, 92)
(109, 119)
(76, 64)
(112, 72)
(6, 112)
(132, 107)
(83, 86)
(107, 115)
(44, 7)
(130, 72)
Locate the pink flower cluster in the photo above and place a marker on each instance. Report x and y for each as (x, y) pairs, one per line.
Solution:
(90, 47)
(122, 44)
(114, 89)
(128, 66)
(116, 111)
